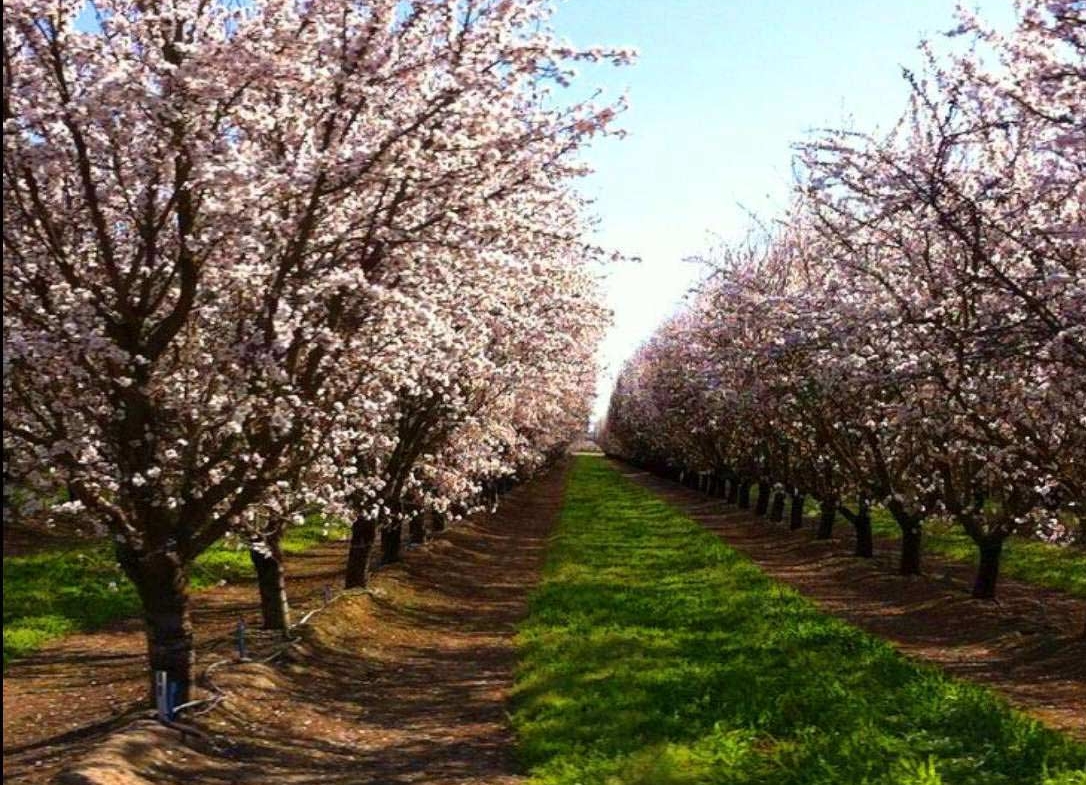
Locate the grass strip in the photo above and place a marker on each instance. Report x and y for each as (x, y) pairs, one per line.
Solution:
(656, 654)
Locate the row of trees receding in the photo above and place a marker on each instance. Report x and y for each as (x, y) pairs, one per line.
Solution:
(912, 334)
(277, 257)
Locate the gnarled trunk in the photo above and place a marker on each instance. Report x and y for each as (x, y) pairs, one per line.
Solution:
(795, 517)
(911, 526)
(910, 549)
(776, 512)
(744, 494)
(417, 529)
(984, 588)
(865, 540)
(271, 581)
(391, 542)
(161, 580)
(761, 507)
(826, 516)
(363, 535)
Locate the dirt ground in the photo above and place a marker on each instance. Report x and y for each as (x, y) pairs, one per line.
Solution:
(1028, 645)
(404, 683)
(407, 682)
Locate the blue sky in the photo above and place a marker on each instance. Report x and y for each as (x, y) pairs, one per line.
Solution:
(720, 92)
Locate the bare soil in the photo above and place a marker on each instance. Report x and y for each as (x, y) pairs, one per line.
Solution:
(408, 681)
(1027, 645)
(404, 682)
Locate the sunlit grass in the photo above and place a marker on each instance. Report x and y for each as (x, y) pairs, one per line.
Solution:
(54, 593)
(655, 654)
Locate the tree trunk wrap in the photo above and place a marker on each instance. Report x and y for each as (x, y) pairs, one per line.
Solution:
(161, 580)
(795, 517)
(761, 507)
(826, 517)
(363, 535)
(984, 588)
(271, 581)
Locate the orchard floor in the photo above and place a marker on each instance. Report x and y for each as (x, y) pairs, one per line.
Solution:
(408, 682)
(1028, 645)
(404, 683)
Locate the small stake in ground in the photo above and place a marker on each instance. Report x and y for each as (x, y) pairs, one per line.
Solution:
(164, 697)
(241, 640)
(327, 594)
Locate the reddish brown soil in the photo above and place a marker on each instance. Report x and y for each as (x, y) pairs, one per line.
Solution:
(408, 681)
(405, 682)
(32, 534)
(1028, 645)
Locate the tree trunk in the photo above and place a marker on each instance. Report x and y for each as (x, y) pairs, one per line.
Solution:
(776, 513)
(363, 535)
(865, 540)
(826, 517)
(417, 529)
(161, 580)
(911, 536)
(744, 494)
(437, 521)
(733, 490)
(271, 580)
(391, 540)
(984, 588)
(761, 507)
(795, 518)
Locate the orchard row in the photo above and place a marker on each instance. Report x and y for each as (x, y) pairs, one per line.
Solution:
(912, 333)
(278, 257)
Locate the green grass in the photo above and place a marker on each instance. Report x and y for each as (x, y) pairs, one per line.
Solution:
(1061, 567)
(655, 654)
(54, 593)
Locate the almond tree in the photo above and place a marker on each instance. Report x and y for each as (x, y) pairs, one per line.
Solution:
(202, 205)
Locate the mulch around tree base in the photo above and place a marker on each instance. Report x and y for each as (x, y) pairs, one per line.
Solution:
(405, 682)
(1028, 645)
